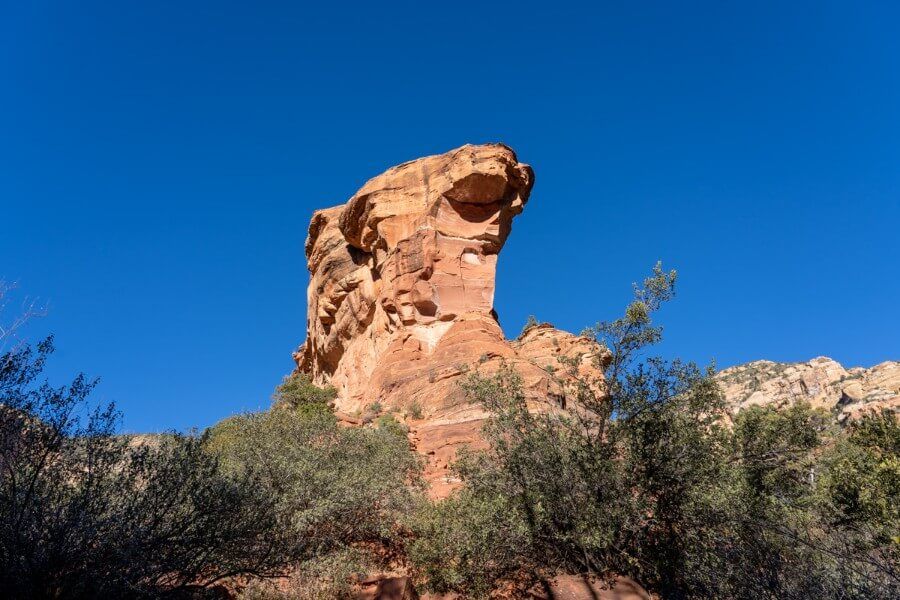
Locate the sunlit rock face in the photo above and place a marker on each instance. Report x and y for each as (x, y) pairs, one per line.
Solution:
(821, 382)
(401, 294)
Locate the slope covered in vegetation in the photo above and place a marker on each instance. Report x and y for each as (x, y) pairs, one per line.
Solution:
(643, 476)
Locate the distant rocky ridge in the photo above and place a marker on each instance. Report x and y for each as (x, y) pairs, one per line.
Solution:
(822, 382)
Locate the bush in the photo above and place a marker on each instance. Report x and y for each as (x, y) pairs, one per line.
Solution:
(467, 542)
(860, 494)
(390, 424)
(334, 488)
(297, 391)
(88, 514)
(862, 482)
(327, 578)
(415, 410)
(648, 480)
(530, 322)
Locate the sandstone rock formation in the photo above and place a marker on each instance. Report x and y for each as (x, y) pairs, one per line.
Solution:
(401, 293)
(822, 382)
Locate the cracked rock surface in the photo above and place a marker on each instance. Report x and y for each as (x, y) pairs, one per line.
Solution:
(401, 295)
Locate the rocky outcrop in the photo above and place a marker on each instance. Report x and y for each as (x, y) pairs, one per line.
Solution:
(822, 382)
(401, 293)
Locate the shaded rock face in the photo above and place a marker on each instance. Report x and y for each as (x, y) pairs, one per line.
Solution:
(401, 293)
(822, 382)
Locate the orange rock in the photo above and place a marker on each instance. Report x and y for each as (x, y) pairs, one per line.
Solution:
(401, 294)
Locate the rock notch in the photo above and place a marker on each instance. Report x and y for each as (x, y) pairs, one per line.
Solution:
(401, 298)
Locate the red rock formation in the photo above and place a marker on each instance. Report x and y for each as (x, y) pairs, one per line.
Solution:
(401, 293)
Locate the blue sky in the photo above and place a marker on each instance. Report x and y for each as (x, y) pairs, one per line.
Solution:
(160, 161)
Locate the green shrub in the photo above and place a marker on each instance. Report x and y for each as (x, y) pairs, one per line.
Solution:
(861, 485)
(415, 410)
(530, 322)
(649, 480)
(85, 513)
(390, 424)
(299, 392)
(331, 577)
(467, 542)
(333, 487)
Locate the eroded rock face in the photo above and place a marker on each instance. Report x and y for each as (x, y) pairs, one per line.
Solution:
(401, 293)
(822, 382)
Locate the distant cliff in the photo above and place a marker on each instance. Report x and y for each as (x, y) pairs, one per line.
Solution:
(821, 382)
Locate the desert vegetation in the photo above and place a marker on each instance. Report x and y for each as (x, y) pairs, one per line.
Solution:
(283, 494)
(646, 476)
(340, 493)
(85, 513)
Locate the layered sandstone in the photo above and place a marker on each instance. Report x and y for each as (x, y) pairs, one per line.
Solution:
(401, 294)
(821, 382)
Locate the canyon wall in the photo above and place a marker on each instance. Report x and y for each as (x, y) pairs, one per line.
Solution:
(821, 382)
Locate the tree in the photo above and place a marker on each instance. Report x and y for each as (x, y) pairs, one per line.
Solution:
(646, 476)
(468, 542)
(297, 391)
(8, 329)
(85, 513)
(335, 489)
(530, 323)
(859, 490)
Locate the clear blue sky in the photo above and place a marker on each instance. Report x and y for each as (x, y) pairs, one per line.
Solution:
(160, 161)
